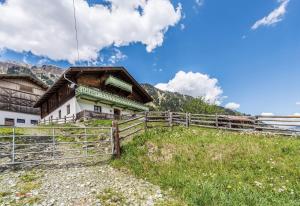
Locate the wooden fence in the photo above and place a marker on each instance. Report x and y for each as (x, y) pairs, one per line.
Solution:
(85, 115)
(280, 125)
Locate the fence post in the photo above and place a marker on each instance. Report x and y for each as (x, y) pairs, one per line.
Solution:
(53, 143)
(146, 119)
(170, 119)
(217, 121)
(116, 137)
(187, 120)
(73, 118)
(112, 138)
(65, 119)
(13, 145)
(85, 140)
(255, 122)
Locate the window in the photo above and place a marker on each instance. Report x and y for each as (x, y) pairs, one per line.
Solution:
(22, 121)
(97, 109)
(9, 122)
(59, 114)
(33, 121)
(68, 109)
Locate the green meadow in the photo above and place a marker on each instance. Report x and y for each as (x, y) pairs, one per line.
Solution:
(213, 167)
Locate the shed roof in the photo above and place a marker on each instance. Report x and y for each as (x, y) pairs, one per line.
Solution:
(25, 76)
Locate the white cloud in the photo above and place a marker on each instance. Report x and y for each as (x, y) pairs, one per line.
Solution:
(232, 106)
(46, 28)
(182, 26)
(194, 84)
(117, 56)
(297, 103)
(43, 61)
(267, 114)
(199, 2)
(296, 114)
(274, 17)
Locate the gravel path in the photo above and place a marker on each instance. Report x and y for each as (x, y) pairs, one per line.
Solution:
(77, 185)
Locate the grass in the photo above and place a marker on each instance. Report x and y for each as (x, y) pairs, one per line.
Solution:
(110, 197)
(98, 122)
(22, 194)
(4, 194)
(28, 182)
(212, 167)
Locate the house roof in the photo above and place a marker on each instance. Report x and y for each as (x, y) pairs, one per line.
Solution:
(74, 71)
(25, 76)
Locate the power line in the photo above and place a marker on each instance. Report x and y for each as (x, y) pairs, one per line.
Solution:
(76, 32)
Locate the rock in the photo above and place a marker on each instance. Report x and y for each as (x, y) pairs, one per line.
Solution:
(83, 186)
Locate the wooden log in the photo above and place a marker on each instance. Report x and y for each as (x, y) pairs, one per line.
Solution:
(130, 120)
(131, 126)
(117, 147)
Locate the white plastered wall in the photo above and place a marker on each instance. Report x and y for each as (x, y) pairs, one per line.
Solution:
(63, 109)
(17, 115)
(89, 105)
(78, 105)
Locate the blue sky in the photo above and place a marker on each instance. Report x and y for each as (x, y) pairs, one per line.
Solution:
(258, 69)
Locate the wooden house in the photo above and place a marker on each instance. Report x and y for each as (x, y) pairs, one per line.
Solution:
(100, 92)
(18, 94)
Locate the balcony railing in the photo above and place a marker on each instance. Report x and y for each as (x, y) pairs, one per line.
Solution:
(18, 101)
(98, 95)
(118, 83)
(19, 108)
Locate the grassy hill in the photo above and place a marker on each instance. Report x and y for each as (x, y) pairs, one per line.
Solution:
(211, 167)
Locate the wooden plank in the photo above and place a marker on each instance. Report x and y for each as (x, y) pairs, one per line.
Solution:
(131, 126)
(131, 120)
(134, 132)
(202, 121)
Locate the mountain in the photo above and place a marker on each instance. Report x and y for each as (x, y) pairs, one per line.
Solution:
(47, 73)
(173, 101)
(162, 100)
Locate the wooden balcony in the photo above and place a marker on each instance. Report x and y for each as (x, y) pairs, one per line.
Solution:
(108, 98)
(17, 101)
(118, 83)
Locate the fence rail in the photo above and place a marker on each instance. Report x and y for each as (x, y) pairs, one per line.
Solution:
(281, 125)
(47, 143)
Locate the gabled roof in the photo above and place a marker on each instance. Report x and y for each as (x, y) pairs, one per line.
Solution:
(25, 76)
(74, 71)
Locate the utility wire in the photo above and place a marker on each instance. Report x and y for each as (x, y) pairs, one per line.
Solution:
(76, 32)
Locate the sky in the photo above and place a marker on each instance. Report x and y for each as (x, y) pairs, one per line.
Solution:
(243, 55)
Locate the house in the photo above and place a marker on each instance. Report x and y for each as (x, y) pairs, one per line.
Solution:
(100, 92)
(18, 94)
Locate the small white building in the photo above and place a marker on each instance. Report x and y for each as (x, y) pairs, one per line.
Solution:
(18, 94)
(93, 92)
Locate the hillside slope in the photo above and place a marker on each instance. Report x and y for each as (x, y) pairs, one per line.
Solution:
(213, 167)
(174, 101)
